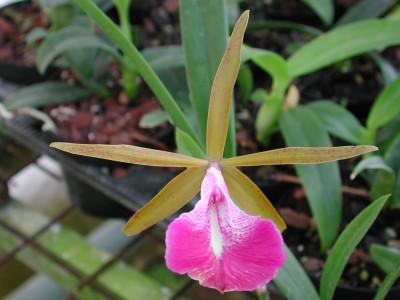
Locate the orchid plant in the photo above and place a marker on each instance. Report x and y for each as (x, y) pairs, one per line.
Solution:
(221, 245)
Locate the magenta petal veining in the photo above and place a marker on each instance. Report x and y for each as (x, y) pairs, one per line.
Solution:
(220, 245)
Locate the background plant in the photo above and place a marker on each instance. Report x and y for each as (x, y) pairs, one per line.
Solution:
(293, 280)
(301, 125)
(76, 45)
(383, 114)
(86, 52)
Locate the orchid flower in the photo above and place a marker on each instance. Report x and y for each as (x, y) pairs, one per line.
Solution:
(221, 245)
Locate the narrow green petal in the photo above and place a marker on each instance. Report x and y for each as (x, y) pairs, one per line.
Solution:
(221, 92)
(249, 197)
(132, 155)
(172, 197)
(297, 155)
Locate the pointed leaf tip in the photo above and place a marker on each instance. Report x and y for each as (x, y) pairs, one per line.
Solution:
(221, 91)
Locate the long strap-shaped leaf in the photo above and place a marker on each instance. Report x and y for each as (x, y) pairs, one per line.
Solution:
(384, 256)
(390, 279)
(172, 197)
(249, 197)
(293, 281)
(44, 93)
(297, 155)
(221, 92)
(386, 106)
(323, 8)
(132, 155)
(345, 245)
(204, 40)
(344, 42)
(321, 182)
(68, 38)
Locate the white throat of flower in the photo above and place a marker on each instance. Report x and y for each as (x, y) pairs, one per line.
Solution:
(216, 235)
(216, 239)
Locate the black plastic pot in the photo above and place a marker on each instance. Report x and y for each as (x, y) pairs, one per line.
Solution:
(24, 74)
(91, 188)
(357, 293)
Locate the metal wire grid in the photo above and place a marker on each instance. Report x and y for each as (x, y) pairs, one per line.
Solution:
(84, 280)
(30, 241)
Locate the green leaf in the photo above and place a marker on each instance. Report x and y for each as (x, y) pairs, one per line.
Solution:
(52, 3)
(164, 57)
(269, 24)
(387, 134)
(388, 259)
(175, 81)
(277, 68)
(345, 245)
(71, 37)
(82, 21)
(267, 116)
(187, 146)
(388, 282)
(204, 27)
(41, 94)
(389, 73)
(383, 184)
(154, 119)
(392, 159)
(245, 82)
(233, 12)
(293, 281)
(123, 9)
(344, 42)
(271, 63)
(36, 34)
(140, 64)
(394, 14)
(383, 181)
(363, 10)
(395, 203)
(83, 61)
(89, 65)
(385, 257)
(338, 121)
(267, 120)
(61, 15)
(386, 106)
(323, 8)
(259, 96)
(322, 184)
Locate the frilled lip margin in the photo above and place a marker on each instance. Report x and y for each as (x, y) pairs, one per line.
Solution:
(221, 246)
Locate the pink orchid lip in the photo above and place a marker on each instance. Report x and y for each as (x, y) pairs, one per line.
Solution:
(220, 245)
